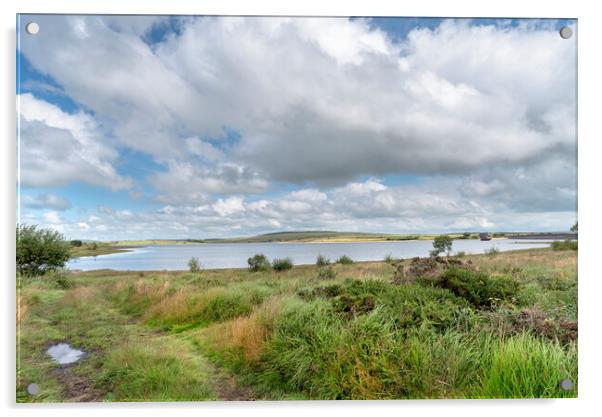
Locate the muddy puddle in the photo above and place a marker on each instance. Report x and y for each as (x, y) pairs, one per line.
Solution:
(64, 354)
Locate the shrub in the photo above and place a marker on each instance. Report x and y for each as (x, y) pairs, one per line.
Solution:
(283, 264)
(477, 288)
(76, 243)
(461, 254)
(259, 262)
(345, 260)
(426, 268)
(322, 261)
(564, 245)
(40, 250)
(543, 324)
(327, 273)
(389, 258)
(194, 265)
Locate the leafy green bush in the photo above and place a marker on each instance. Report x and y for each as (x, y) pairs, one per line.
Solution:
(259, 262)
(283, 264)
(345, 260)
(389, 258)
(564, 245)
(76, 243)
(461, 254)
(40, 250)
(478, 288)
(322, 261)
(194, 265)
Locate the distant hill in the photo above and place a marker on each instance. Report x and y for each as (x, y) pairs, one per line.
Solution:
(281, 237)
(327, 236)
(312, 236)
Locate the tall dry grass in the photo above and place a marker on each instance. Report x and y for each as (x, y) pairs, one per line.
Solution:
(178, 306)
(22, 308)
(80, 296)
(248, 334)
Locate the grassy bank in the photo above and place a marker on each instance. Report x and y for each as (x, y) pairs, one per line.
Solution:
(505, 327)
(96, 249)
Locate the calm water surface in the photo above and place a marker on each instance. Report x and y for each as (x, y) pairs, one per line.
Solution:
(235, 255)
(64, 354)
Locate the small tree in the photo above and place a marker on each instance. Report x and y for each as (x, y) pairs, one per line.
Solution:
(194, 265)
(76, 243)
(259, 262)
(575, 227)
(442, 243)
(40, 250)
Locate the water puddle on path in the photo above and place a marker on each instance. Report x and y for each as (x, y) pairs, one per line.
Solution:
(64, 354)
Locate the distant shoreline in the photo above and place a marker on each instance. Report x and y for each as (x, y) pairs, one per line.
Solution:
(120, 246)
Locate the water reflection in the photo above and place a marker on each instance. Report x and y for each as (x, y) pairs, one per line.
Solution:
(64, 354)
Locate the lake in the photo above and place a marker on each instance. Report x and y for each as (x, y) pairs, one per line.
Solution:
(235, 255)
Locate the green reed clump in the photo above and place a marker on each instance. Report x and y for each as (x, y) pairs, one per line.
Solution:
(283, 264)
(344, 260)
(526, 367)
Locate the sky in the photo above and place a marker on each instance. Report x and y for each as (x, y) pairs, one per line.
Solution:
(135, 127)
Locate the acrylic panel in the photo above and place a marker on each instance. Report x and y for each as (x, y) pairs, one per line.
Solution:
(295, 208)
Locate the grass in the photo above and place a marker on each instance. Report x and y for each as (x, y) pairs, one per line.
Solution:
(505, 329)
(85, 317)
(97, 249)
(509, 373)
(160, 369)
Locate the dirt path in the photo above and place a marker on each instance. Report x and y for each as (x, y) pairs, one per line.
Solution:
(77, 388)
(228, 388)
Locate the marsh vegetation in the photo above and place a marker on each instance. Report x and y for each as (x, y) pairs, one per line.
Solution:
(488, 326)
